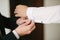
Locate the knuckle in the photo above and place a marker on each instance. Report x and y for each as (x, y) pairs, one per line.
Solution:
(29, 32)
(34, 26)
(29, 28)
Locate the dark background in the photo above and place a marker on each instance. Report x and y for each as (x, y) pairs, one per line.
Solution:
(37, 34)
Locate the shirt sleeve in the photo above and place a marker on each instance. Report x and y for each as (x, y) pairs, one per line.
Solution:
(44, 14)
(15, 33)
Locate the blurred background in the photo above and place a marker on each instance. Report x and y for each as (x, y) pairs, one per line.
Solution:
(45, 31)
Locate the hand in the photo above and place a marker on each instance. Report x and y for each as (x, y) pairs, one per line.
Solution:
(20, 11)
(22, 21)
(26, 28)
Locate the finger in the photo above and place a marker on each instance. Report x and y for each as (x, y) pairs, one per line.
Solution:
(27, 22)
(29, 31)
(14, 11)
(31, 24)
(23, 21)
(33, 28)
(20, 21)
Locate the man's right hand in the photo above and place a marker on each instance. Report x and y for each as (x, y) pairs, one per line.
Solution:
(25, 28)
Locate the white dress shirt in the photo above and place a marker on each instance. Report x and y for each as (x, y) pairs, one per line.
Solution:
(44, 14)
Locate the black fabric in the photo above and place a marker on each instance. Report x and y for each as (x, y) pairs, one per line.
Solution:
(9, 36)
(9, 23)
(6, 23)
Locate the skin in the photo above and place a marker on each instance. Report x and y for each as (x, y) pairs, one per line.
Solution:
(20, 11)
(25, 26)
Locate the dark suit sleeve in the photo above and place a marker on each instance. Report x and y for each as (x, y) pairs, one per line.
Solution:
(9, 36)
(7, 22)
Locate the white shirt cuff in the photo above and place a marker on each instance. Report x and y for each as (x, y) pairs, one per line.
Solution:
(29, 13)
(16, 35)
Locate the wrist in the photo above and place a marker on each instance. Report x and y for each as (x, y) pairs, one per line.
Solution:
(17, 31)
